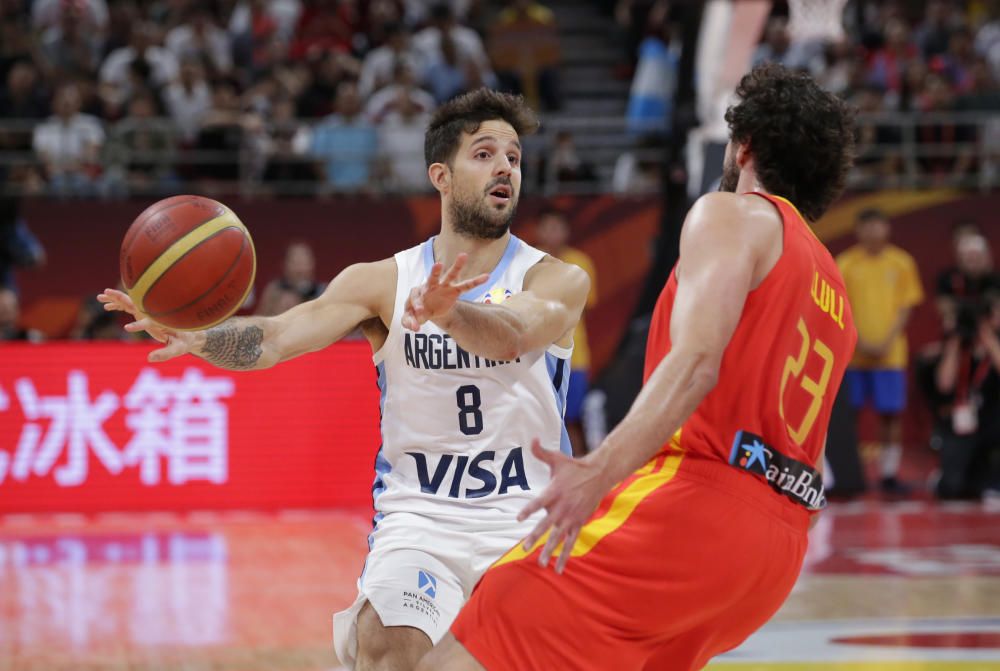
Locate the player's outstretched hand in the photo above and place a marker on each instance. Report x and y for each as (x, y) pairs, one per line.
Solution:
(572, 496)
(438, 295)
(177, 343)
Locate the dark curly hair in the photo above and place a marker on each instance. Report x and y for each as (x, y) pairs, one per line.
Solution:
(466, 113)
(801, 137)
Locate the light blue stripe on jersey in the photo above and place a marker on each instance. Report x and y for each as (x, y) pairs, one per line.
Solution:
(382, 465)
(559, 373)
(475, 294)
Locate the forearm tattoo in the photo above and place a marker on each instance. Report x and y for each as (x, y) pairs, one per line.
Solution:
(233, 346)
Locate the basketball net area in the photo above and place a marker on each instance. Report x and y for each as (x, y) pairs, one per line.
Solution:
(729, 35)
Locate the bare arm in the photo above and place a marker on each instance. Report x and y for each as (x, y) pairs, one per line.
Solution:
(724, 245)
(719, 253)
(547, 309)
(550, 305)
(357, 294)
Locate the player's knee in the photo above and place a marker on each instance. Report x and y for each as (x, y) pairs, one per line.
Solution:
(381, 647)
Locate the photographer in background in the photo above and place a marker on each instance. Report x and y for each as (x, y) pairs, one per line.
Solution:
(960, 379)
(971, 277)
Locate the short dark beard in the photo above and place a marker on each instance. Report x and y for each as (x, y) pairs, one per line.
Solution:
(730, 176)
(472, 219)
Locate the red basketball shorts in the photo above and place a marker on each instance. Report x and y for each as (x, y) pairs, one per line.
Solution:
(682, 561)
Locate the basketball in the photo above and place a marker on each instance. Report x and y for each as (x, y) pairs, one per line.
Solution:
(188, 262)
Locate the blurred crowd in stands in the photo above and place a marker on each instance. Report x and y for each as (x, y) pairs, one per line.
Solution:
(111, 97)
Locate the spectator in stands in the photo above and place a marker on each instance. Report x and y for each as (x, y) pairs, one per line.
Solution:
(47, 13)
(524, 49)
(297, 283)
(972, 281)
(455, 73)
(380, 64)
(564, 164)
(654, 86)
(887, 66)
(327, 71)
(10, 314)
(93, 322)
(553, 235)
(23, 99)
(883, 287)
(941, 20)
(19, 248)
(143, 46)
(188, 99)
(957, 62)
(252, 36)
(938, 96)
(400, 140)
(878, 144)
(346, 142)
(443, 24)
(68, 145)
(638, 171)
(199, 37)
(283, 13)
(289, 171)
(325, 26)
(140, 152)
(777, 44)
(71, 49)
(960, 380)
(222, 136)
(404, 85)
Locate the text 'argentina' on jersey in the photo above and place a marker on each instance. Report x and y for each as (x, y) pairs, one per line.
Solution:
(473, 476)
(434, 351)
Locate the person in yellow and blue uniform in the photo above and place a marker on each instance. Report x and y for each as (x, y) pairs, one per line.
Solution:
(883, 287)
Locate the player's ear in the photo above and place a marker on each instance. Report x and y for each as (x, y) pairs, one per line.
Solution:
(743, 154)
(440, 175)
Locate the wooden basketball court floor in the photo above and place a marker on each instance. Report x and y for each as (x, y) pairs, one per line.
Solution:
(902, 586)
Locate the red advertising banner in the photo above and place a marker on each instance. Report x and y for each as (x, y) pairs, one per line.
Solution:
(88, 427)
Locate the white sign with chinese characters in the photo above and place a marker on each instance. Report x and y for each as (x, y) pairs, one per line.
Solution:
(180, 427)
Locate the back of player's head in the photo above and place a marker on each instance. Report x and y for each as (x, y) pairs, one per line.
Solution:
(800, 136)
(466, 113)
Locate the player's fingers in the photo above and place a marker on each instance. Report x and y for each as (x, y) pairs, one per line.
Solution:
(456, 269)
(173, 349)
(555, 538)
(473, 283)
(567, 549)
(550, 457)
(536, 504)
(435, 276)
(138, 325)
(531, 539)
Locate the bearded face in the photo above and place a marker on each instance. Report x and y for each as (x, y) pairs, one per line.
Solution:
(730, 171)
(475, 214)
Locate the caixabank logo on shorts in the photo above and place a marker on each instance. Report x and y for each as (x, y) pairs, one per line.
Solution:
(422, 600)
(799, 482)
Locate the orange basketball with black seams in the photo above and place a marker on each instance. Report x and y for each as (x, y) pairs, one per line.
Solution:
(188, 262)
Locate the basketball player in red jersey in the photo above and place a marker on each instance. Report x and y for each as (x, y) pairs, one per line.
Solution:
(687, 528)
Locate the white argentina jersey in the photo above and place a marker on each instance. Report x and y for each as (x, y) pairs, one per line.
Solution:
(456, 427)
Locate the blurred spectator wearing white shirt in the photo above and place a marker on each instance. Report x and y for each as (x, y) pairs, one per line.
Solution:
(400, 146)
(467, 41)
(69, 144)
(188, 99)
(379, 66)
(143, 45)
(200, 37)
(403, 86)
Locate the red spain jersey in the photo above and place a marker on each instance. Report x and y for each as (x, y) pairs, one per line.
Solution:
(784, 364)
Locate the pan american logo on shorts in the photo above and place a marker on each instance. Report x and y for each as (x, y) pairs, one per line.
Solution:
(799, 482)
(422, 600)
(427, 583)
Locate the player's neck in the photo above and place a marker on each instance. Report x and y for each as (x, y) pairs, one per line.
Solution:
(748, 182)
(483, 254)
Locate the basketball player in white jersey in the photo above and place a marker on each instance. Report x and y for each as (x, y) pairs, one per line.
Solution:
(473, 363)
